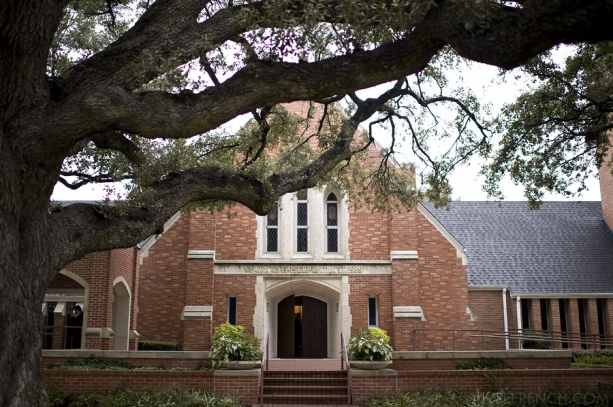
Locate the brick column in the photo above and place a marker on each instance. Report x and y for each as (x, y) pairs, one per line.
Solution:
(591, 318)
(535, 313)
(554, 320)
(573, 323)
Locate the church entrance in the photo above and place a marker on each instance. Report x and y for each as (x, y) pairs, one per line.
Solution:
(302, 328)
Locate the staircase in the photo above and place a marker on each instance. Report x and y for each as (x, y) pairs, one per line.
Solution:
(324, 388)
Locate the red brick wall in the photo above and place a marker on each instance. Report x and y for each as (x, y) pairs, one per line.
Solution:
(244, 289)
(487, 308)
(235, 237)
(436, 281)
(361, 288)
(533, 381)
(246, 387)
(368, 235)
(61, 281)
(162, 285)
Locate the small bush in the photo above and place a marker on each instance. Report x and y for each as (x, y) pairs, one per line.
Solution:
(157, 345)
(591, 359)
(370, 344)
(484, 364)
(93, 362)
(232, 343)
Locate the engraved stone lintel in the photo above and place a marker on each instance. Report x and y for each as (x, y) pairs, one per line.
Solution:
(201, 254)
(409, 312)
(197, 312)
(403, 255)
(303, 269)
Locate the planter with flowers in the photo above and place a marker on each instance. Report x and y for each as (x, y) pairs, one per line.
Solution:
(370, 349)
(235, 348)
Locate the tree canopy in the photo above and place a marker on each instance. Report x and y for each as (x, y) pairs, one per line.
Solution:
(100, 91)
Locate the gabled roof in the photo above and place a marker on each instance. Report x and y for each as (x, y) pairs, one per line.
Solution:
(562, 248)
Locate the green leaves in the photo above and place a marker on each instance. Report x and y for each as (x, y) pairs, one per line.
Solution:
(554, 135)
(232, 343)
(369, 345)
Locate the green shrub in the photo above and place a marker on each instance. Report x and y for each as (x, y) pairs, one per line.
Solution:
(592, 359)
(232, 343)
(93, 362)
(484, 364)
(157, 345)
(122, 397)
(370, 344)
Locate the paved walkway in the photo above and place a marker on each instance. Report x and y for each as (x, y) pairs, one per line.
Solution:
(305, 365)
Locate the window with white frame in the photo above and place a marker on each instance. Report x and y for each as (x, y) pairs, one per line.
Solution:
(332, 223)
(232, 309)
(373, 313)
(272, 230)
(302, 221)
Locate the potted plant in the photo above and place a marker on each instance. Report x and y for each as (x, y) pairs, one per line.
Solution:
(369, 349)
(235, 347)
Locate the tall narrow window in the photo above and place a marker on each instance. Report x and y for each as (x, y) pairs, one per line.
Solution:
(600, 308)
(582, 322)
(525, 313)
(272, 230)
(232, 310)
(545, 315)
(332, 223)
(564, 321)
(372, 311)
(302, 220)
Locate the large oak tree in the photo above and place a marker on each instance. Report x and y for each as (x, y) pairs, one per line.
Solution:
(103, 101)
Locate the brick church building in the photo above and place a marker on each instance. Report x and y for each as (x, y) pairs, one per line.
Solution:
(315, 267)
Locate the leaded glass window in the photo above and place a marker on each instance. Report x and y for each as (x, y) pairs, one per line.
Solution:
(272, 230)
(332, 223)
(302, 222)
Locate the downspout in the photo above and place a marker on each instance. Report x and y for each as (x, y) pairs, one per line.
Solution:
(506, 319)
(519, 341)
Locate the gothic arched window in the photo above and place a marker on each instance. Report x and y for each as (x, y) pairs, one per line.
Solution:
(332, 223)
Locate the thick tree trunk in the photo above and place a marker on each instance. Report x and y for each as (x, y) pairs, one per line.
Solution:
(26, 268)
(21, 380)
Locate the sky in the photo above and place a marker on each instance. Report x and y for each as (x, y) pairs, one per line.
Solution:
(465, 180)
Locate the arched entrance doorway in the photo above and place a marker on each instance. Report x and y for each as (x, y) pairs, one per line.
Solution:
(302, 327)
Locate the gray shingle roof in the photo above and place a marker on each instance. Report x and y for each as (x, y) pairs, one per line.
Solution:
(564, 247)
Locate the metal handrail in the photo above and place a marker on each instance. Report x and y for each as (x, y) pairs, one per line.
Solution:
(264, 367)
(345, 366)
(584, 339)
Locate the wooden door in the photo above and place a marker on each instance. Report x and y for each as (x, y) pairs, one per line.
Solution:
(285, 328)
(314, 328)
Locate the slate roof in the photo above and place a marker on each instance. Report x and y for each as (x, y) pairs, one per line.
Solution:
(562, 248)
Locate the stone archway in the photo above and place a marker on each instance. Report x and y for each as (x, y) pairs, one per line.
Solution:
(121, 314)
(326, 290)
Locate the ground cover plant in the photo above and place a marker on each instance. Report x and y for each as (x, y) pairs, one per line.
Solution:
(122, 397)
(590, 359)
(601, 396)
(157, 345)
(93, 362)
(484, 364)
